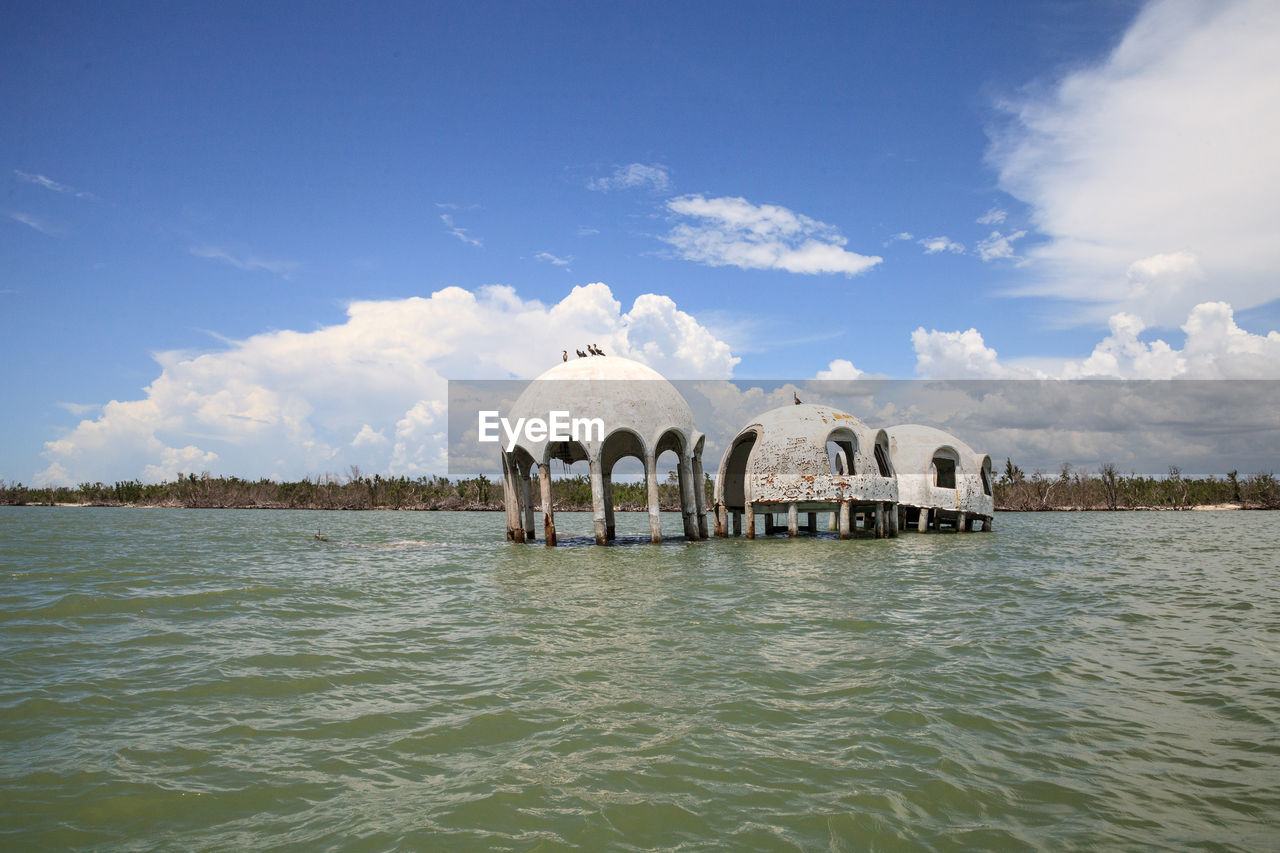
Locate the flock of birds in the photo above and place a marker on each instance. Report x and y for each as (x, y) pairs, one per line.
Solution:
(592, 349)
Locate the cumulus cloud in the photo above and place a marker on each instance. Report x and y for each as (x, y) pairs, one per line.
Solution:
(840, 368)
(996, 245)
(1164, 149)
(284, 269)
(369, 391)
(934, 245)
(1215, 348)
(653, 176)
(734, 232)
(460, 233)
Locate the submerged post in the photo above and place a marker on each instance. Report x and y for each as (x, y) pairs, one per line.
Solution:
(923, 524)
(608, 508)
(793, 526)
(688, 505)
(527, 499)
(962, 525)
(749, 514)
(845, 531)
(879, 519)
(737, 523)
(722, 521)
(892, 520)
(700, 497)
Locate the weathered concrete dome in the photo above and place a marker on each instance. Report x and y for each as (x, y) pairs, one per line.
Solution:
(641, 410)
(938, 471)
(810, 455)
(643, 417)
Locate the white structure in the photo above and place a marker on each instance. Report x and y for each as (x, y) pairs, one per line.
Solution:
(807, 458)
(941, 480)
(644, 416)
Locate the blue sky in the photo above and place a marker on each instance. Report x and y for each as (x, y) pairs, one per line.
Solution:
(210, 213)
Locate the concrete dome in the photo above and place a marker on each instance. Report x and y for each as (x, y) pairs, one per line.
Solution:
(784, 457)
(936, 470)
(641, 410)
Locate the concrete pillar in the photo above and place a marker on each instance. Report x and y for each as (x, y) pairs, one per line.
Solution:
(722, 521)
(688, 506)
(597, 503)
(793, 525)
(880, 520)
(892, 519)
(962, 525)
(845, 531)
(526, 499)
(508, 500)
(651, 481)
(987, 524)
(833, 523)
(700, 497)
(923, 524)
(548, 511)
(608, 508)
(749, 516)
(811, 523)
(737, 523)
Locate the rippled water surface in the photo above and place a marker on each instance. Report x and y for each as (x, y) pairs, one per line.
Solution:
(219, 679)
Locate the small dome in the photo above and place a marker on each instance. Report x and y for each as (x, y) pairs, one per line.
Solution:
(806, 453)
(626, 395)
(936, 469)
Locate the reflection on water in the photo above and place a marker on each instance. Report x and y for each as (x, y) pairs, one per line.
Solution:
(224, 679)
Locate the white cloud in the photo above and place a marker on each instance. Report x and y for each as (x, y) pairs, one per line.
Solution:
(460, 233)
(901, 235)
(734, 232)
(552, 259)
(840, 368)
(1165, 148)
(653, 176)
(33, 222)
(994, 216)
(284, 269)
(1215, 348)
(369, 391)
(50, 184)
(368, 437)
(933, 245)
(996, 245)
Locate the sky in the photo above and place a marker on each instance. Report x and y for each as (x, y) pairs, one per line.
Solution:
(258, 239)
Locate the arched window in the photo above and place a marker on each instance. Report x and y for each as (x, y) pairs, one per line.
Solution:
(842, 449)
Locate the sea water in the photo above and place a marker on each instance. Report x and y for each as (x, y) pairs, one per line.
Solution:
(223, 679)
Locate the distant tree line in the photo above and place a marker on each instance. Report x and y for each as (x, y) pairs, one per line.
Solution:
(1070, 488)
(1108, 489)
(352, 491)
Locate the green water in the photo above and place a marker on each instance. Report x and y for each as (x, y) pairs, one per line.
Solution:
(217, 679)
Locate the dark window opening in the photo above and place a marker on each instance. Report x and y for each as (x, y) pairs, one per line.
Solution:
(882, 460)
(840, 455)
(945, 477)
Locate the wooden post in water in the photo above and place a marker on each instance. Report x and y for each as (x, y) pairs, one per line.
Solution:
(845, 532)
(833, 523)
(548, 511)
(749, 513)
(508, 500)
